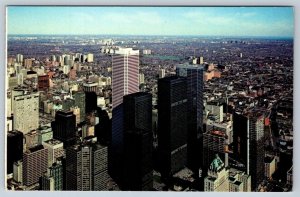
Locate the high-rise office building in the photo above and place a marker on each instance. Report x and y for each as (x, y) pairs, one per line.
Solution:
(19, 58)
(18, 172)
(138, 167)
(80, 102)
(194, 77)
(125, 74)
(90, 57)
(172, 124)
(64, 127)
(43, 82)
(35, 163)
(46, 183)
(44, 133)
(22, 106)
(248, 143)
(55, 150)
(86, 167)
(103, 128)
(14, 149)
(161, 73)
(56, 171)
(141, 78)
(214, 142)
(90, 87)
(217, 179)
(222, 179)
(125, 80)
(90, 102)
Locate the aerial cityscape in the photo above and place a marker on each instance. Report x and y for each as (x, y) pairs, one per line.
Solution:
(149, 99)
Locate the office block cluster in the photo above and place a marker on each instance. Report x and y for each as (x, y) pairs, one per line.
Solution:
(124, 118)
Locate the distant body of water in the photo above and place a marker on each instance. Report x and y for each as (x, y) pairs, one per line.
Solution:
(163, 57)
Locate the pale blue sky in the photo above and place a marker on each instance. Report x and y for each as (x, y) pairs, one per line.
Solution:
(214, 21)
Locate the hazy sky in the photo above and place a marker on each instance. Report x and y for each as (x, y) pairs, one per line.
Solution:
(223, 21)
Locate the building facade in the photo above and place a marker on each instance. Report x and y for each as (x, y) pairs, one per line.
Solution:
(172, 124)
(194, 77)
(125, 80)
(138, 167)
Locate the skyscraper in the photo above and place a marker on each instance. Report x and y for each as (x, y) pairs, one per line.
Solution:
(194, 77)
(90, 102)
(35, 163)
(55, 150)
(125, 74)
(138, 167)
(248, 143)
(64, 127)
(125, 80)
(56, 171)
(172, 124)
(14, 149)
(86, 166)
(80, 102)
(23, 105)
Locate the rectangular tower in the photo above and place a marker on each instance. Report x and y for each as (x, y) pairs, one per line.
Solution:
(194, 77)
(125, 80)
(248, 143)
(86, 166)
(35, 163)
(138, 167)
(64, 127)
(14, 149)
(172, 124)
(26, 112)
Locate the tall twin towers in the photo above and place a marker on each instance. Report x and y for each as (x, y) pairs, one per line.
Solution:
(180, 109)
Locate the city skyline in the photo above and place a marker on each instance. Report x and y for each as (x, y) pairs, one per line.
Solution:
(200, 21)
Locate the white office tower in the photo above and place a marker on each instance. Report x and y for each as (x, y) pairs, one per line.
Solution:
(141, 78)
(19, 58)
(90, 57)
(18, 172)
(55, 150)
(162, 73)
(26, 112)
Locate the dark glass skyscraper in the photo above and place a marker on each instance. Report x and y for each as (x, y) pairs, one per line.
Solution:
(103, 128)
(194, 76)
(14, 149)
(64, 127)
(172, 124)
(90, 102)
(138, 167)
(248, 141)
(86, 167)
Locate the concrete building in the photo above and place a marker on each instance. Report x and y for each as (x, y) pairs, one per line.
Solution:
(270, 166)
(35, 163)
(55, 150)
(23, 105)
(161, 73)
(45, 133)
(141, 78)
(90, 57)
(86, 166)
(18, 172)
(222, 179)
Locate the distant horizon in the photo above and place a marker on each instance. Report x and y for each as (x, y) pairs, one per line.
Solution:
(131, 20)
(157, 35)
